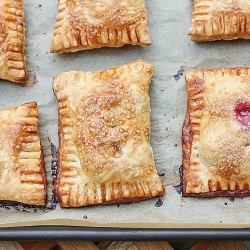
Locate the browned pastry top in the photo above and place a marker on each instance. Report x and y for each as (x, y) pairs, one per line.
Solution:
(104, 129)
(12, 41)
(220, 19)
(22, 174)
(216, 133)
(88, 24)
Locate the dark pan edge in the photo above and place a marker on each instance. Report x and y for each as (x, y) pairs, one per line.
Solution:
(101, 234)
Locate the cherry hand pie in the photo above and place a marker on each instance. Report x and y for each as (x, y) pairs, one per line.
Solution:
(22, 174)
(216, 133)
(12, 41)
(89, 24)
(220, 19)
(104, 132)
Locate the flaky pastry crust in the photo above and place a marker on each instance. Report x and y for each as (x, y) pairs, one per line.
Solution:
(12, 41)
(216, 153)
(89, 24)
(22, 173)
(220, 19)
(104, 136)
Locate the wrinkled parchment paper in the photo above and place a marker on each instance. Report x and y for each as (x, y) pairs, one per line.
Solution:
(171, 54)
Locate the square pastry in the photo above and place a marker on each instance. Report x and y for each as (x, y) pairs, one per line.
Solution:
(89, 24)
(12, 41)
(220, 19)
(105, 155)
(22, 174)
(216, 133)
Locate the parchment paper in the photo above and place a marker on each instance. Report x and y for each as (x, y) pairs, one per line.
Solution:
(171, 53)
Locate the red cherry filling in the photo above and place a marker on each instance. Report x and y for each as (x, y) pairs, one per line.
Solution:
(242, 113)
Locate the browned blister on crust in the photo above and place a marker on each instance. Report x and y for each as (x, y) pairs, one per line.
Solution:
(89, 24)
(216, 136)
(104, 130)
(12, 41)
(22, 173)
(220, 19)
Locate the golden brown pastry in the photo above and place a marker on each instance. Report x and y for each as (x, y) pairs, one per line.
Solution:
(216, 133)
(89, 24)
(104, 133)
(12, 41)
(22, 174)
(220, 19)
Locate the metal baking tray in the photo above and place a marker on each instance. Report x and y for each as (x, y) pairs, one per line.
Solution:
(118, 234)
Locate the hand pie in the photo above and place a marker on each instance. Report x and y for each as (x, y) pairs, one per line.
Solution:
(104, 131)
(22, 174)
(89, 24)
(220, 19)
(12, 41)
(216, 133)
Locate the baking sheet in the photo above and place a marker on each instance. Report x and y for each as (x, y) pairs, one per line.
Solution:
(172, 53)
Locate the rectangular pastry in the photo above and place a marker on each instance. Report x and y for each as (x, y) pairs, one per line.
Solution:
(89, 24)
(105, 155)
(22, 173)
(12, 41)
(216, 133)
(220, 19)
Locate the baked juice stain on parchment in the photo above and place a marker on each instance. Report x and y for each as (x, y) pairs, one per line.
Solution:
(52, 204)
(179, 74)
(54, 168)
(54, 161)
(159, 203)
(162, 174)
(18, 207)
(178, 187)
